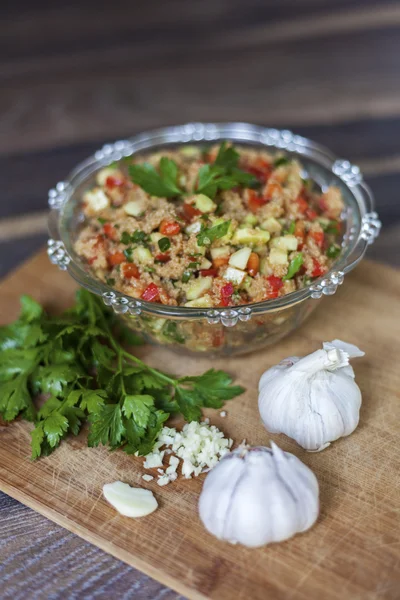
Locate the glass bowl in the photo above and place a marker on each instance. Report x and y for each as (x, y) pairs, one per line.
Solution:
(218, 331)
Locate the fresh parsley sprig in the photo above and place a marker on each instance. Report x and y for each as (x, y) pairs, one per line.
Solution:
(163, 184)
(77, 365)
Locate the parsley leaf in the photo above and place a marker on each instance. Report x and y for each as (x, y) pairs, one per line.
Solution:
(163, 184)
(106, 426)
(15, 398)
(138, 407)
(207, 236)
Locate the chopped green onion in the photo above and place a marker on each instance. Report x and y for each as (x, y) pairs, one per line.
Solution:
(164, 244)
(128, 254)
(294, 266)
(186, 276)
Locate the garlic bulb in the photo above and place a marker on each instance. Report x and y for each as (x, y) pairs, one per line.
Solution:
(313, 399)
(255, 496)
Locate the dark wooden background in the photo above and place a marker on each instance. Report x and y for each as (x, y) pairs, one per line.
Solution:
(76, 74)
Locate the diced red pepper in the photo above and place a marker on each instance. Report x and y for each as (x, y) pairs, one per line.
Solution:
(226, 294)
(116, 258)
(151, 293)
(302, 204)
(209, 272)
(99, 243)
(189, 211)
(318, 237)
(91, 260)
(109, 231)
(112, 182)
(169, 228)
(311, 214)
(275, 284)
(165, 257)
(260, 169)
(253, 264)
(130, 270)
(255, 201)
(318, 269)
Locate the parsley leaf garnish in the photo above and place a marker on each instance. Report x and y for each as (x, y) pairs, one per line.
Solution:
(294, 266)
(163, 184)
(78, 363)
(206, 236)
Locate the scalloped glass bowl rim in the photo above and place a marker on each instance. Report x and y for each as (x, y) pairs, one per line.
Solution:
(189, 134)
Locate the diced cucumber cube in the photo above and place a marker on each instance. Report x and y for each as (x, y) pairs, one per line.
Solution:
(278, 257)
(135, 208)
(203, 302)
(96, 200)
(240, 258)
(205, 264)
(251, 219)
(204, 203)
(271, 225)
(265, 268)
(142, 255)
(193, 227)
(285, 242)
(198, 287)
(156, 236)
(234, 275)
(190, 151)
(252, 237)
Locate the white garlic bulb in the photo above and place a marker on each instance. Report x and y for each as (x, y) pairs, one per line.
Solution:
(313, 399)
(255, 496)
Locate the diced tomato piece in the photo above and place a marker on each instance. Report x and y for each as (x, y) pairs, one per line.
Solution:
(318, 237)
(311, 214)
(130, 270)
(99, 241)
(260, 169)
(302, 204)
(165, 257)
(151, 293)
(116, 258)
(255, 201)
(109, 231)
(189, 211)
(322, 204)
(112, 182)
(226, 294)
(275, 284)
(169, 228)
(318, 269)
(209, 272)
(220, 261)
(253, 264)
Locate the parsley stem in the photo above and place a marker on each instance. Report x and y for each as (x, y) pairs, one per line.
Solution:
(158, 374)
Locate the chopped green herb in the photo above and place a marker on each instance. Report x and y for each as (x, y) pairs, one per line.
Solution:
(164, 244)
(171, 332)
(294, 266)
(110, 281)
(291, 228)
(163, 184)
(207, 236)
(80, 368)
(102, 221)
(139, 237)
(281, 161)
(331, 228)
(333, 251)
(186, 276)
(193, 265)
(125, 238)
(149, 269)
(128, 254)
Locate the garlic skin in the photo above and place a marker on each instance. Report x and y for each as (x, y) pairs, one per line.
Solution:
(313, 399)
(255, 496)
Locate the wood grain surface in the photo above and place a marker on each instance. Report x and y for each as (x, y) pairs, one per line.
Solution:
(353, 550)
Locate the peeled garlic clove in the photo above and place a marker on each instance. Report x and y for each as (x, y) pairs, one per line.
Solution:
(255, 496)
(313, 399)
(129, 501)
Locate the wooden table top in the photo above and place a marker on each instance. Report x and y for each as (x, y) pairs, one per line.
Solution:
(75, 75)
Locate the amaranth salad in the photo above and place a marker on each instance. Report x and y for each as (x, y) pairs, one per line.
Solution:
(196, 227)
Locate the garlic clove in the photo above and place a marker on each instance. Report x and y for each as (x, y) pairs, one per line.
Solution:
(129, 501)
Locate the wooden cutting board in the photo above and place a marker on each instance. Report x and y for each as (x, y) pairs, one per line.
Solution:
(354, 549)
